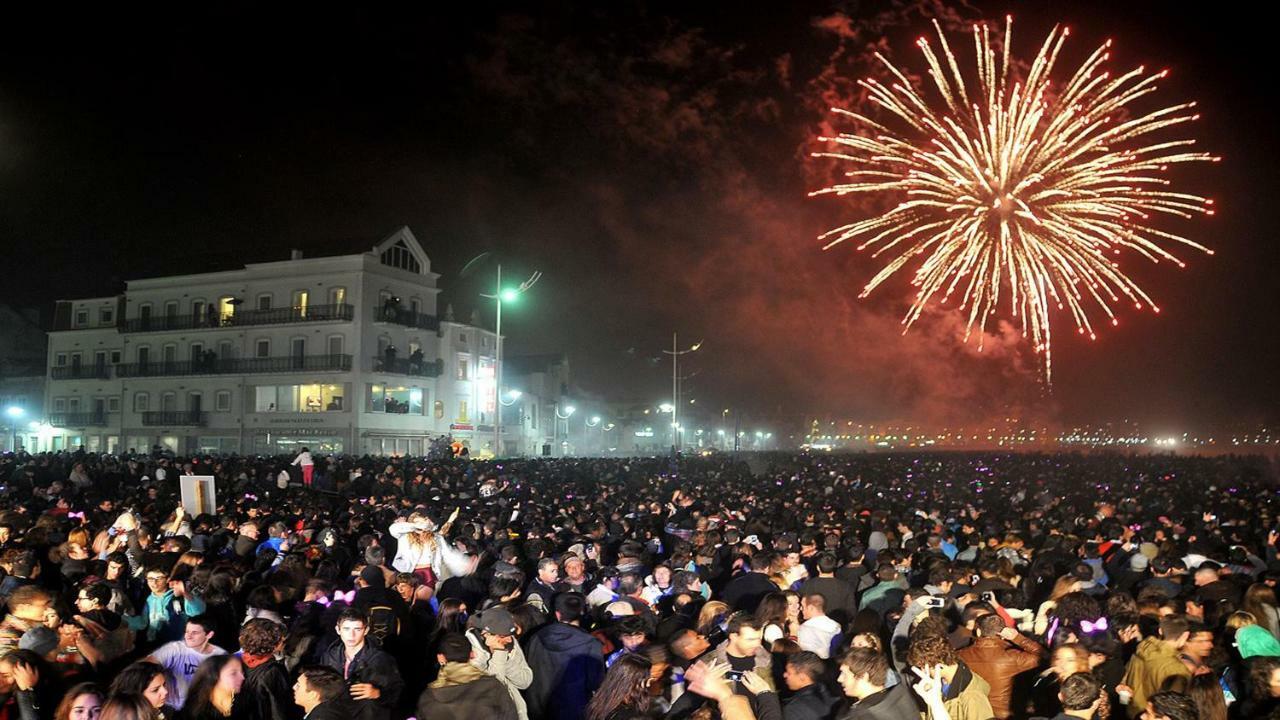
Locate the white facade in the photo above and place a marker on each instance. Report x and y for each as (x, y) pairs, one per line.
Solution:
(338, 354)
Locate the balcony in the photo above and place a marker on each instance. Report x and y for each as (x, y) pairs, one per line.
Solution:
(77, 419)
(81, 372)
(241, 318)
(408, 318)
(406, 366)
(237, 366)
(175, 418)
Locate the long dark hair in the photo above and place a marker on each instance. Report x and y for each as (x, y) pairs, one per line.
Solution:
(203, 683)
(625, 686)
(136, 676)
(772, 610)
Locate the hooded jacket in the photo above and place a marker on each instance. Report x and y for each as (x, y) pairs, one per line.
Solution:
(1153, 664)
(463, 691)
(508, 666)
(568, 666)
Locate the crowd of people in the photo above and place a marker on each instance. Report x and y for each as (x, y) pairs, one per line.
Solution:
(816, 587)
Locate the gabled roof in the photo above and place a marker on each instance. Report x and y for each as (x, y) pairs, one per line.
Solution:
(401, 250)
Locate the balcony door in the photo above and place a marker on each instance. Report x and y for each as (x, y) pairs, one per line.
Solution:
(298, 352)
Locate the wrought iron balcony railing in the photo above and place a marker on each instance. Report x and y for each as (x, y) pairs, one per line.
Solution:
(175, 418)
(240, 318)
(236, 366)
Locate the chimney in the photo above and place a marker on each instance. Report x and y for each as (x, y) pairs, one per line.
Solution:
(295, 254)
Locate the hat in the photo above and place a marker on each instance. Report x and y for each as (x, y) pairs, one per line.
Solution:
(1251, 640)
(1149, 550)
(372, 575)
(619, 608)
(40, 640)
(497, 621)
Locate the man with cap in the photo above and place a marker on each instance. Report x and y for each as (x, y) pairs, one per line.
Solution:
(494, 650)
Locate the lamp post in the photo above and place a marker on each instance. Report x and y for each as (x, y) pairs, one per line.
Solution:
(569, 410)
(515, 396)
(675, 352)
(499, 296)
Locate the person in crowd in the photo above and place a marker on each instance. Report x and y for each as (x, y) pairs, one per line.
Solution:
(818, 633)
(147, 680)
(321, 693)
(181, 658)
(214, 690)
(804, 676)
(266, 679)
(372, 675)
(862, 678)
(495, 651)
(625, 691)
(463, 691)
(567, 663)
(999, 654)
(965, 695)
(82, 702)
(1156, 664)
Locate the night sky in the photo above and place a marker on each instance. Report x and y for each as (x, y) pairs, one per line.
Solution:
(650, 158)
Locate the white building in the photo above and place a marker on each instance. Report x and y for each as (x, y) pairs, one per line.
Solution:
(339, 354)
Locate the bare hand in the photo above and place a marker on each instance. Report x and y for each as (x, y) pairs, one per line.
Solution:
(754, 684)
(929, 688)
(1008, 633)
(453, 516)
(25, 675)
(707, 679)
(365, 691)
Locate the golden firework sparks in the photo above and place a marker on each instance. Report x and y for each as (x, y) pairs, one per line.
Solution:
(1018, 185)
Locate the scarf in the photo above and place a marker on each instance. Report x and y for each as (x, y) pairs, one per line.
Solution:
(252, 661)
(456, 673)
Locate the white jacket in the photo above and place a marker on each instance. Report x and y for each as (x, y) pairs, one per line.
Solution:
(443, 559)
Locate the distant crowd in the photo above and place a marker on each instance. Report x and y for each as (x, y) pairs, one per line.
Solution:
(961, 586)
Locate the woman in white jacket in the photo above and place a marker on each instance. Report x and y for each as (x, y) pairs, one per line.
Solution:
(423, 550)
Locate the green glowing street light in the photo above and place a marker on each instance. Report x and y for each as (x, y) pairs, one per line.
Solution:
(510, 295)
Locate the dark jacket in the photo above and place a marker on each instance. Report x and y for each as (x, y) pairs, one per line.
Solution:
(746, 591)
(895, 703)
(568, 666)
(372, 666)
(812, 703)
(465, 692)
(842, 604)
(339, 709)
(267, 693)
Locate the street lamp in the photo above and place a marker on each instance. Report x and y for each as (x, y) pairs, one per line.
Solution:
(675, 352)
(569, 410)
(514, 395)
(500, 295)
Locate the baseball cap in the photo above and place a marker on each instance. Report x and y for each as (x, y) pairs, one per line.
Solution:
(497, 621)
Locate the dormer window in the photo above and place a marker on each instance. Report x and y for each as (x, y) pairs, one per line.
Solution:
(400, 256)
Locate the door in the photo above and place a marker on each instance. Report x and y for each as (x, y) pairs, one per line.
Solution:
(298, 352)
(100, 410)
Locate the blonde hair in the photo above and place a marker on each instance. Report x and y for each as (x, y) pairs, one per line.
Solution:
(709, 612)
(1240, 618)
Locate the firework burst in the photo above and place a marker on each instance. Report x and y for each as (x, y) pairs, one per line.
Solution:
(1021, 186)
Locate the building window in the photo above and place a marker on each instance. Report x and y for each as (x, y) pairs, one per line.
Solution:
(226, 309)
(197, 312)
(113, 404)
(168, 402)
(464, 366)
(115, 356)
(144, 354)
(106, 316)
(141, 402)
(82, 318)
(222, 401)
(395, 399)
(463, 415)
(299, 398)
(264, 301)
(335, 344)
(399, 256)
(300, 302)
(462, 338)
(337, 296)
(171, 309)
(60, 360)
(195, 401)
(263, 348)
(59, 405)
(439, 409)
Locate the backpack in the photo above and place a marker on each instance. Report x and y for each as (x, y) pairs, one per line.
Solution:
(383, 623)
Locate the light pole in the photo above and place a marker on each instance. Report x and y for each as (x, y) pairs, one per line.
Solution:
(499, 296)
(675, 352)
(15, 413)
(568, 411)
